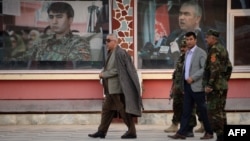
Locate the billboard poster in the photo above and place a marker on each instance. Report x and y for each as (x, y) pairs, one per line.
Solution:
(39, 34)
(162, 25)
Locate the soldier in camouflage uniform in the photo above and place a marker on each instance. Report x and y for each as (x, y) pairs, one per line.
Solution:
(62, 45)
(69, 48)
(177, 95)
(218, 69)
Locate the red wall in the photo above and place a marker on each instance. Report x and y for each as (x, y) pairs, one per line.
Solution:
(238, 88)
(156, 88)
(91, 89)
(41, 89)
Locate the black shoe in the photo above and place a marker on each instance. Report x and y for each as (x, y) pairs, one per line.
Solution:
(190, 134)
(98, 134)
(128, 136)
(220, 138)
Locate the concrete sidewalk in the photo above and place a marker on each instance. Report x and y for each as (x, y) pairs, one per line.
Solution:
(80, 133)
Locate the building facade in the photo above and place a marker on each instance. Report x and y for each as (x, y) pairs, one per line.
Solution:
(73, 95)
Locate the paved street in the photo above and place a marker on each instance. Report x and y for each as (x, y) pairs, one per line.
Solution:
(80, 133)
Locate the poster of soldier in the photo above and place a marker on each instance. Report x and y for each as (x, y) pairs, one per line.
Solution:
(52, 35)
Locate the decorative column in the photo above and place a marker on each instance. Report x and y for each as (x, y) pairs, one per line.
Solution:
(123, 23)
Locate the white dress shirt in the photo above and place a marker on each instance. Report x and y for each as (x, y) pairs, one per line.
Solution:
(188, 62)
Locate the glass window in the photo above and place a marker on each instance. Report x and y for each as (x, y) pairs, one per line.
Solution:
(239, 33)
(240, 4)
(241, 40)
(162, 25)
(53, 35)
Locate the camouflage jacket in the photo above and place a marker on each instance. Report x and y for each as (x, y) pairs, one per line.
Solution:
(218, 68)
(69, 48)
(178, 74)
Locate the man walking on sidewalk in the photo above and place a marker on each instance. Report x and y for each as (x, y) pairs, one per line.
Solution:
(193, 91)
(218, 69)
(178, 95)
(122, 90)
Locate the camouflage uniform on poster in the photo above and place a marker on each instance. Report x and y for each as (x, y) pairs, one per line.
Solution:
(218, 69)
(178, 92)
(69, 48)
(60, 49)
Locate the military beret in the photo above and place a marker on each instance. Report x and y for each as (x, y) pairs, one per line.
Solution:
(183, 43)
(213, 32)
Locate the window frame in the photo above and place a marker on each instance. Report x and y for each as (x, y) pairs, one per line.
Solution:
(232, 13)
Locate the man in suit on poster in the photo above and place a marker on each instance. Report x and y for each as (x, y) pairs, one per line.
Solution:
(190, 14)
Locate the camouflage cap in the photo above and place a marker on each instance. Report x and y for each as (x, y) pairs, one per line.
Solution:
(213, 32)
(183, 43)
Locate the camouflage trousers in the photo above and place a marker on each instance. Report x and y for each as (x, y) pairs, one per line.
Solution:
(216, 102)
(178, 99)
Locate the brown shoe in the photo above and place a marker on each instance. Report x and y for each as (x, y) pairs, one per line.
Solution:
(207, 136)
(177, 136)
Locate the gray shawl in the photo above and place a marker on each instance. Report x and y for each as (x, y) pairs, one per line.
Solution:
(129, 82)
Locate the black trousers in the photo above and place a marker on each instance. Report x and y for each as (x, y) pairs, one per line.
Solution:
(112, 104)
(190, 98)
